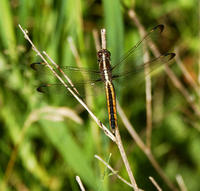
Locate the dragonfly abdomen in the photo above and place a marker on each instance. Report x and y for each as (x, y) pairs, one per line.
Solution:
(111, 104)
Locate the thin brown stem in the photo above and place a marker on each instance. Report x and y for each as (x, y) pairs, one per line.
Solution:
(160, 171)
(148, 110)
(146, 58)
(74, 51)
(144, 148)
(117, 134)
(113, 171)
(186, 73)
(199, 49)
(80, 183)
(103, 38)
(181, 183)
(125, 159)
(155, 183)
(96, 39)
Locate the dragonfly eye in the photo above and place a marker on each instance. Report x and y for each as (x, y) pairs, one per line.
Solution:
(107, 54)
(99, 54)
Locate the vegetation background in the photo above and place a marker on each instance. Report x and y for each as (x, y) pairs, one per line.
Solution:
(55, 137)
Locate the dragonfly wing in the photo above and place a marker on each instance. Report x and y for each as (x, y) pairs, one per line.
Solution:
(79, 79)
(151, 35)
(76, 74)
(41, 65)
(84, 70)
(152, 64)
(81, 89)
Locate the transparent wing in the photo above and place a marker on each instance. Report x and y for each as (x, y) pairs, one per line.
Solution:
(84, 70)
(82, 90)
(153, 34)
(78, 83)
(152, 64)
(74, 73)
(37, 66)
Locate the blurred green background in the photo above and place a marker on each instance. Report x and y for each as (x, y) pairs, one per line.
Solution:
(56, 138)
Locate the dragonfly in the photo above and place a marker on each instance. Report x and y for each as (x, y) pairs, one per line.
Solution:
(106, 72)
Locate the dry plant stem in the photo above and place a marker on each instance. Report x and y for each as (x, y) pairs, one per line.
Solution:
(155, 183)
(169, 72)
(103, 38)
(117, 134)
(80, 183)
(183, 90)
(77, 57)
(186, 73)
(181, 183)
(74, 51)
(148, 103)
(199, 52)
(125, 159)
(106, 131)
(146, 58)
(113, 171)
(148, 108)
(144, 148)
(96, 39)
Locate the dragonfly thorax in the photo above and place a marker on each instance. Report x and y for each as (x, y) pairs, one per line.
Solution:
(104, 65)
(103, 53)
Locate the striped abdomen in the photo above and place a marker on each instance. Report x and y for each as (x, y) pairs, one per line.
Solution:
(111, 104)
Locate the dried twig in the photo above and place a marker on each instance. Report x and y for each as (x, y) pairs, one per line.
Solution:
(144, 148)
(103, 38)
(199, 51)
(125, 159)
(117, 134)
(186, 73)
(146, 58)
(181, 183)
(155, 183)
(113, 171)
(96, 39)
(148, 102)
(80, 183)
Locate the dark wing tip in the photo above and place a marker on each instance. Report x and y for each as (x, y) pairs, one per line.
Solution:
(42, 88)
(159, 27)
(34, 65)
(171, 55)
(39, 89)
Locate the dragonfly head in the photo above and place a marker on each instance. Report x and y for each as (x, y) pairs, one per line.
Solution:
(102, 52)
